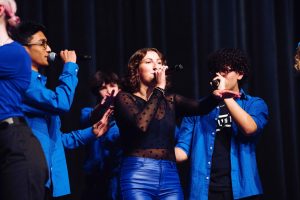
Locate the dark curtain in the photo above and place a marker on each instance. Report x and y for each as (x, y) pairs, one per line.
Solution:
(186, 31)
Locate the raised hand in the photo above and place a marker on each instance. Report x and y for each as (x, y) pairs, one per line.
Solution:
(102, 125)
(160, 76)
(225, 94)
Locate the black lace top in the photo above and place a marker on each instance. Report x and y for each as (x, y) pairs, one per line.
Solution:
(147, 128)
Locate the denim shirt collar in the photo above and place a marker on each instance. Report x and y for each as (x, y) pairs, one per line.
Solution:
(243, 94)
(37, 75)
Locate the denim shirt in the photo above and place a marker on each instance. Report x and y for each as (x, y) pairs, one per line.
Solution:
(197, 136)
(15, 72)
(106, 147)
(42, 108)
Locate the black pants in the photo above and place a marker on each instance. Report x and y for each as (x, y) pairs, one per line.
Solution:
(50, 197)
(227, 195)
(220, 195)
(23, 168)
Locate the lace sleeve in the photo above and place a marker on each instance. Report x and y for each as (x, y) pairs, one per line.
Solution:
(128, 111)
(189, 107)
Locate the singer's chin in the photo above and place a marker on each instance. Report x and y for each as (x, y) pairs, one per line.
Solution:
(153, 82)
(45, 63)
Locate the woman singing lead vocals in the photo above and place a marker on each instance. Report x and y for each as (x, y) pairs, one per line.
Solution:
(146, 119)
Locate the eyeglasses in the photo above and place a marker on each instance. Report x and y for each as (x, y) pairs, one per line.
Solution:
(43, 43)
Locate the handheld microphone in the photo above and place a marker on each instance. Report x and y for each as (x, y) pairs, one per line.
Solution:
(175, 68)
(101, 108)
(109, 101)
(215, 83)
(52, 56)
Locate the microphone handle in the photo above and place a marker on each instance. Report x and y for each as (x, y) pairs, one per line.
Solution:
(84, 57)
(53, 56)
(175, 68)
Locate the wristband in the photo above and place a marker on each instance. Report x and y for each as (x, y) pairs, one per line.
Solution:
(160, 89)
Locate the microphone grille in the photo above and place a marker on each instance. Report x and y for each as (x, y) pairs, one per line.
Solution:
(179, 67)
(51, 56)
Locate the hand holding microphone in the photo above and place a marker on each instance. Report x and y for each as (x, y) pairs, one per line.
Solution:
(215, 83)
(108, 101)
(68, 56)
(160, 76)
(218, 82)
(106, 104)
(220, 91)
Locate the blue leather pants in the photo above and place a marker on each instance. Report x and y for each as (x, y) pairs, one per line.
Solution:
(147, 179)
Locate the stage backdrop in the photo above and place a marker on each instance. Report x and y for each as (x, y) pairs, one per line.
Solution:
(187, 31)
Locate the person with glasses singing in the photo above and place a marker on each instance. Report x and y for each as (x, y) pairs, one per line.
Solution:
(145, 115)
(43, 107)
(221, 145)
(23, 168)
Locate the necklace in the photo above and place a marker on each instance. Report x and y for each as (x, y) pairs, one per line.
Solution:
(5, 41)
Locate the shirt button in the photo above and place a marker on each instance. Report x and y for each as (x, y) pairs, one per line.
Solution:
(207, 178)
(213, 133)
(210, 148)
(208, 163)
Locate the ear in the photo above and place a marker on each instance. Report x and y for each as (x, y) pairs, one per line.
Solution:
(240, 76)
(2, 10)
(27, 49)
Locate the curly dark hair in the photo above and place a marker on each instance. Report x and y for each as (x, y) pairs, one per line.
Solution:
(132, 78)
(231, 59)
(297, 59)
(101, 78)
(25, 30)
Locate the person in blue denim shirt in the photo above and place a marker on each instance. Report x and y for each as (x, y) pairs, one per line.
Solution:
(43, 107)
(104, 154)
(221, 145)
(23, 168)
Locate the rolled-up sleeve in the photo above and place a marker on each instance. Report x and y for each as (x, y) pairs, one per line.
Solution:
(77, 138)
(185, 134)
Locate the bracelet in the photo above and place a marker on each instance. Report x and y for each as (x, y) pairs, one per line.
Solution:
(160, 89)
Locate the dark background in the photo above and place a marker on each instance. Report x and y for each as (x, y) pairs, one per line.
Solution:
(186, 31)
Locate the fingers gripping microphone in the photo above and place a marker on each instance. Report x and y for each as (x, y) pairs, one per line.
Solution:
(175, 68)
(52, 56)
(109, 100)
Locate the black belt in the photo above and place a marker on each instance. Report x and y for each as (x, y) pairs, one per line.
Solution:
(11, 121)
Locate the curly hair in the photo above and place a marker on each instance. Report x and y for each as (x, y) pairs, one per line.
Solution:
(297, 59)
(132, 78)
(232, 58)
(101, 78)
(25, 30)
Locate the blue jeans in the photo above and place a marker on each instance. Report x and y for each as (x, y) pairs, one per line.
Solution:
(147, 179)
